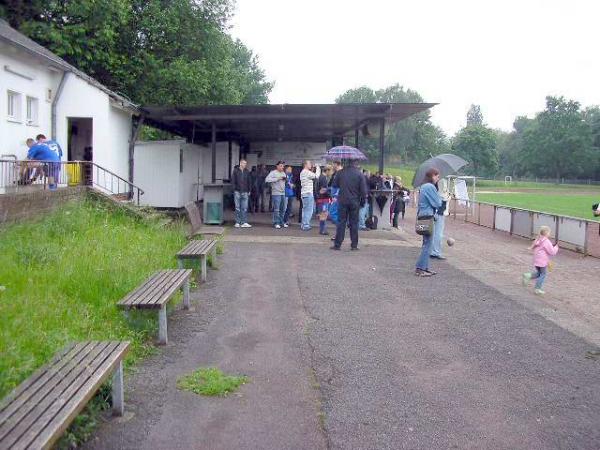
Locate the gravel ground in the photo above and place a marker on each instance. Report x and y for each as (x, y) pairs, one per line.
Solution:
(350, 350)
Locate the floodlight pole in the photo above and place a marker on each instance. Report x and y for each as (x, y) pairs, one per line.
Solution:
(381, 144)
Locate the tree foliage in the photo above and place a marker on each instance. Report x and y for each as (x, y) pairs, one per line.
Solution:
(174, 52)
(409, 141)
(561, 141)
(474, 116)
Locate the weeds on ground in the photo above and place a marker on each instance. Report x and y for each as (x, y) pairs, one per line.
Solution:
(63, 275)
(211, 382)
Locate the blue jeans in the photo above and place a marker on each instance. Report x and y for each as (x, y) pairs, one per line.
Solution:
(438, 235)
(288, 209)
(423, 261)
(362, 216)
(279, 202)
(308, 207)
(241, 206)
(539, 275)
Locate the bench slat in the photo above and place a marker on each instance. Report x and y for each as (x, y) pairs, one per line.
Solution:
(65, 409)
(36, 389)
(196, 248)
(27, 418)
(155, 284)
(168, 287)
(148, 285)
(36, 378)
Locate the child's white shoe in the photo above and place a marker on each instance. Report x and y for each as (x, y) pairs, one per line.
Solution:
(526, 278)
(539, 292)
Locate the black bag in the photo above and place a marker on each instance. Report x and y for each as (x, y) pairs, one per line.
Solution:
(371, 222)
(424, 225)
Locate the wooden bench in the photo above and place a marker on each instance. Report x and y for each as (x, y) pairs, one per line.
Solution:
(198, 250)
(156, 291)
(198, 227)
(41, 408)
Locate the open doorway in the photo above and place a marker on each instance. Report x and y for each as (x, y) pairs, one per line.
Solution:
(80, 143)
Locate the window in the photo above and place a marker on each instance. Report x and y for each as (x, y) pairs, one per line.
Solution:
(32, 111)
(14, 106)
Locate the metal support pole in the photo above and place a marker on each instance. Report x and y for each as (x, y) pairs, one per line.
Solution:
(118, 407)
(186, 294)
(117, 391)
(381, 144)
(214, 153)
(230, 160)
(203, 268)
(356, 137)
(162, 325)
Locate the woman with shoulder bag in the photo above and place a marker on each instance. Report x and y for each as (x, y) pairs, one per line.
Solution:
(429, 202)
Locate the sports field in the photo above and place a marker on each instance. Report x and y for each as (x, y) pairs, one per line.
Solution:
(564, 199)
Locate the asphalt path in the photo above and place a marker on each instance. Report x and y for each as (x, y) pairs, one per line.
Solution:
(351, 350)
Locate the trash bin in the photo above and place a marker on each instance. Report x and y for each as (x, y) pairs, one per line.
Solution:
(213, 204)
(73, 174)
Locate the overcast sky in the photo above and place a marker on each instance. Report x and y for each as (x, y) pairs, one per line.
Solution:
(505, 55)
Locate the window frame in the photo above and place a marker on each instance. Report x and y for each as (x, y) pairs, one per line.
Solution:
(13, 99)
(32, 105)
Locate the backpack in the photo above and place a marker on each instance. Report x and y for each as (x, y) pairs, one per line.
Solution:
(371, 222)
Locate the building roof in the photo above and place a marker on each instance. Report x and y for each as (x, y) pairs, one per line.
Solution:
(270, 123)
(14, 37)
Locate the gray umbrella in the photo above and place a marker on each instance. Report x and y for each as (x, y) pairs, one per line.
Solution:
(447, 164)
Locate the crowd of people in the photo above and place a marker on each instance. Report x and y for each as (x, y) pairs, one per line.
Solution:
(43, 159)
(313, 187)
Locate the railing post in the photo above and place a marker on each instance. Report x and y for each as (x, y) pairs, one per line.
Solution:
(494, 221)
(512, 219)
(557, 221)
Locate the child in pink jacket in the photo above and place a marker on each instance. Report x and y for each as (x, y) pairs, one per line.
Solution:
(542, 251)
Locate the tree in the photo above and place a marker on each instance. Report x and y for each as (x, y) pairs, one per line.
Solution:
(559, 143)
(156, 52)
(477, 145)
(410, 140)
(474, 116)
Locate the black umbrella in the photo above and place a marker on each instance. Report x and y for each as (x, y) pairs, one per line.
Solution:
(447, 164)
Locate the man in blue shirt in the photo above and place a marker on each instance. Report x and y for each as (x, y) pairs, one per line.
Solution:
(41, 139)
(43, 152)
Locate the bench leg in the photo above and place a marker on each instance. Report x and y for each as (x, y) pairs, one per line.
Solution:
(203, 268)
(118, 407)
(186, 294)
(162, 325)
(214, 257)
(179, 263)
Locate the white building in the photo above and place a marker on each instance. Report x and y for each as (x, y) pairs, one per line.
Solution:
(41, 93)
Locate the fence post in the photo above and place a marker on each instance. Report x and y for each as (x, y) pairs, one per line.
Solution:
(531, 231)
(512, 219)
(585, 241)
(479, 214)
(557, 229)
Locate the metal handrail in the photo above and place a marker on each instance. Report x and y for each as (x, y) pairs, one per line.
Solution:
(16, 173)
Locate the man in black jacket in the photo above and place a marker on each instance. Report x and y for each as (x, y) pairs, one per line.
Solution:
(352, 196)
(242, 183)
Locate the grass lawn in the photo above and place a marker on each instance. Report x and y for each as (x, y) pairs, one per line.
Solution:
(61, 278)
(568, 205)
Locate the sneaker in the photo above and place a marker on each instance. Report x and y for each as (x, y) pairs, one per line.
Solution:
(286, 225)
(52, 187)
(237, 225)
(432, 272)
(333, 247)
(324, 233)
(526, 278)
(539, 292)
(277, 226)
(354, 249)
(246, 225)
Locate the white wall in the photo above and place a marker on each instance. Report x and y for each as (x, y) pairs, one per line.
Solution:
(292, 153)
(156, 172)
(14, 134)
(192, 163)
(111, 126)
(222, 161)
